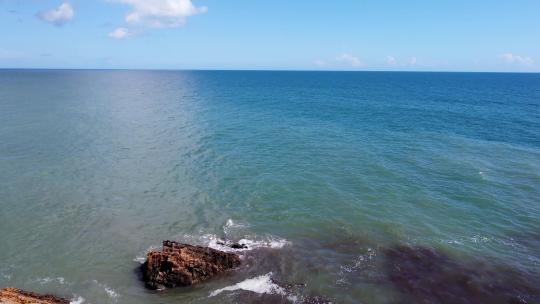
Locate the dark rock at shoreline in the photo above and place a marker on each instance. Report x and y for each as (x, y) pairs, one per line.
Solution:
(18, 296)
(234, 245)
(238, 246)
(183, 265)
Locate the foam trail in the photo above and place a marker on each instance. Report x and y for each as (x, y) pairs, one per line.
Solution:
(261, 284)
(214, 242)
(77, 300)
(108, 290)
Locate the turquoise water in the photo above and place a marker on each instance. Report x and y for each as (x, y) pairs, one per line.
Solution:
(327, 174)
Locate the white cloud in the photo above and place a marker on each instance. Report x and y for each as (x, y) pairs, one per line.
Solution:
(60, 15)
(391, 60)
(161, 13)
(349, 59)
(510, 58)
(413, 61)
(120, 33)
(320, 63)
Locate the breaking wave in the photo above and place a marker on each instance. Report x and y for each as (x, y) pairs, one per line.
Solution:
(247, 242)
(262, 285)
(77, 300)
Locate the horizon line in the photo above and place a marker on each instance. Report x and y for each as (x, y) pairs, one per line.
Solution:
(264, 70)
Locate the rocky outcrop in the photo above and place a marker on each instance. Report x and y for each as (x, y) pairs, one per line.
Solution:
(180, 264)
(17, 296)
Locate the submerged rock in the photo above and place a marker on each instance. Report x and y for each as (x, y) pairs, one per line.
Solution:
(239, 246)
(234, 245)
(17, 296)
(430, 276)
(183, 265)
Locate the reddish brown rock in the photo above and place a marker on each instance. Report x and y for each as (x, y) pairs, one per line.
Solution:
(17, 296)
(183, 265)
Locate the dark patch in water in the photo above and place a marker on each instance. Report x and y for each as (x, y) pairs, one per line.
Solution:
(250, 297)
(430, 276)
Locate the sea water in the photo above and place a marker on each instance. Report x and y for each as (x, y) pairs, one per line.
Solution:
(339, 182)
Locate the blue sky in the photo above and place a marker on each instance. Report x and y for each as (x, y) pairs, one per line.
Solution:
(445, 35)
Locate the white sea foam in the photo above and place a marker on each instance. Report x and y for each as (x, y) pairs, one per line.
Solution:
(455, 242)
(361, 263)
(224, 244)
(481, 239)
(108, 290)
(47, 280)
(232, 224)
(262, 285)
(141, 258)
(270, 242)
(214, 242)
(111, 293)
(77, 300)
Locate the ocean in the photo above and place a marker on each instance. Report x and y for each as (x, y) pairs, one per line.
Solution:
(355, 187)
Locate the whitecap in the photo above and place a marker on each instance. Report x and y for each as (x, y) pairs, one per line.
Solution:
(141, 257)
(77, 300)
(111, 293)
(217, 243)
(262, 285)
(270, 242)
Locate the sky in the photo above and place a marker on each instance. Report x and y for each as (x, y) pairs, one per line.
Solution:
(400, 35)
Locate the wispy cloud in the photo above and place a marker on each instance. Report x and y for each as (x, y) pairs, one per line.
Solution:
(349, 59)
(510, 58)
(120, 33)
(161, 13)
(59, 15)
(394, 62)
(320, 63)
(391, 60)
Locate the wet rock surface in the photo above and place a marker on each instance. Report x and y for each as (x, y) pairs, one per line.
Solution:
(233, 245)
(430, 276)
(239, 246)
(180, 264)
(18, 296)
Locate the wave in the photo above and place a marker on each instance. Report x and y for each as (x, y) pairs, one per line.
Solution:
(262, 285)
(247, 242)
(77, 300)
(113, 295)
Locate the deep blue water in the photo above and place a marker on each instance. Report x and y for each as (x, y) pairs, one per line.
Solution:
(367, 187)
